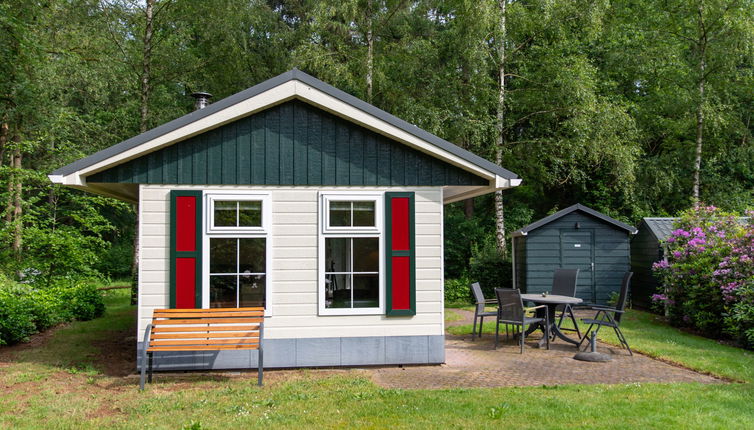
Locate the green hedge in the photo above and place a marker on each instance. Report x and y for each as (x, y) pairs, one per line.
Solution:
(25, 310)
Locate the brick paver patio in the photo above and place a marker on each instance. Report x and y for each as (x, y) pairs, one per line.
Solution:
(476, 364)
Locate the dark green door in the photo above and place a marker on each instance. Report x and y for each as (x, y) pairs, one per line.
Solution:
(577, 252)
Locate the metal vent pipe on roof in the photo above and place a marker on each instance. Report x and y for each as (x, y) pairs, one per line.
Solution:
(202, 99)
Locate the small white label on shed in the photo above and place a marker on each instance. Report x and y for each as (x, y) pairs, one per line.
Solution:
(577, 245)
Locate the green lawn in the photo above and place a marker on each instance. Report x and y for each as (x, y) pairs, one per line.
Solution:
(63, 384)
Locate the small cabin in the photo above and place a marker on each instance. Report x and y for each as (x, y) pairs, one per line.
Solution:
(300, 198)
(574, 238)
(646, 249)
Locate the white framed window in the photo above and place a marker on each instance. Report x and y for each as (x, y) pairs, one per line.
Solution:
(351, 263)
(234, 212)
(351, 212)
(236, 255)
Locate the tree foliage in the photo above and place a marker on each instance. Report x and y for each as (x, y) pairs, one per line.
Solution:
(602, 100)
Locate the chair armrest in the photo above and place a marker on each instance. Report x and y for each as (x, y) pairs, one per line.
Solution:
(605, 309)
(537, 307)
(490, 301)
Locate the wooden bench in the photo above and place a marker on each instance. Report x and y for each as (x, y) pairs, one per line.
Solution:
(203, 330)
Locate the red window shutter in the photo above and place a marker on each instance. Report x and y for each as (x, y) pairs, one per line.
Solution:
(400, 259)
(185, 249)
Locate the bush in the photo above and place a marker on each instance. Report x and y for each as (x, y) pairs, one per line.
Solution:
(16, 319)
(458, 292)
(25, 310)
(84, 302)
(708, 278)
(490, 269)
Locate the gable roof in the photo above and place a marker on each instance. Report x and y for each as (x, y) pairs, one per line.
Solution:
(278, 81)
(660, 227)
(577, 207)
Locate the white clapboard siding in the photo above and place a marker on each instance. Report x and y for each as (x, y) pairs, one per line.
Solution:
(294, 276)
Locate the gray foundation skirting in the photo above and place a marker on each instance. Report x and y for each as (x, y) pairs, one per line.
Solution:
(329, 351)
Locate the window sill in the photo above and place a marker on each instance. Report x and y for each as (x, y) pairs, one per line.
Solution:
(350, 311)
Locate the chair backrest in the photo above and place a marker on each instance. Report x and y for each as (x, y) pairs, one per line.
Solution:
(564, 282)
(476, 289)
(510, 307)
(623, 297)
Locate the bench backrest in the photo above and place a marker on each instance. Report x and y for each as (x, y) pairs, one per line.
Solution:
(206, 329)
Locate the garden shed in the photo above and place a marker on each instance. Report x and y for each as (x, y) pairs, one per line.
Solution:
(574, 238)
(646, 249)
(300, 198)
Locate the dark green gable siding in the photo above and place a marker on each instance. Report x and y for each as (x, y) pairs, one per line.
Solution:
(560, 244)
(289, 144)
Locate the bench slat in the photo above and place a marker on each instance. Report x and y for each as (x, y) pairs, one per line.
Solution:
(203, 328)
(208, 321)
(201, 347)
(157, 314)
(205, 335)
(186, 342)
(260, 309)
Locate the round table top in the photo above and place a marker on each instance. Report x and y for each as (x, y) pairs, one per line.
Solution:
(551, 299)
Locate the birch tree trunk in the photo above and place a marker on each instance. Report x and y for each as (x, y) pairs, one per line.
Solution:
(370, 50)
(15, 197)
(146, 65)
(499, 207)
(702, 51)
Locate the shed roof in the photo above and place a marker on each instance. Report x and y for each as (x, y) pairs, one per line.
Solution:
(577, 207)
(660, 227)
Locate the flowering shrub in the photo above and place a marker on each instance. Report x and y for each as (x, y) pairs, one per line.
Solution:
(708, 278)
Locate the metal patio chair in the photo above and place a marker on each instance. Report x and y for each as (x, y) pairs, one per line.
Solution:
(564, 284)
(610, 317)
(479, 312)
(510, 310)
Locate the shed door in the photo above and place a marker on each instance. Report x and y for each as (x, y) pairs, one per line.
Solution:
(577, 252)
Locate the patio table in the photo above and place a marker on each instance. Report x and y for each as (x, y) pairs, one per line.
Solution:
(551, 301)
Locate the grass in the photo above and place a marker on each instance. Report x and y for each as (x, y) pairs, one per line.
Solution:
(62, 384)
(451, 316)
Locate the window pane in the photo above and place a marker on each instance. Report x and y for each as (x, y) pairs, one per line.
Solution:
(366, 291)
(222, 255)
(340, 214)
(222, 291)
(225, 214)
(252, 290)
(366, 254)
(338, 291)
(363, 214)
(250, 213)
(337, 254)
(252, 255)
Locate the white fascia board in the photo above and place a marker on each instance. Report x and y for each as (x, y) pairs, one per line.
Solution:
(457, 193)
(352, 114)
(73, 180)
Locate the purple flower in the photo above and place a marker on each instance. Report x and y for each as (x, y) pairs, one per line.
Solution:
(681, 232)
(659, 297)
(661, 265)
